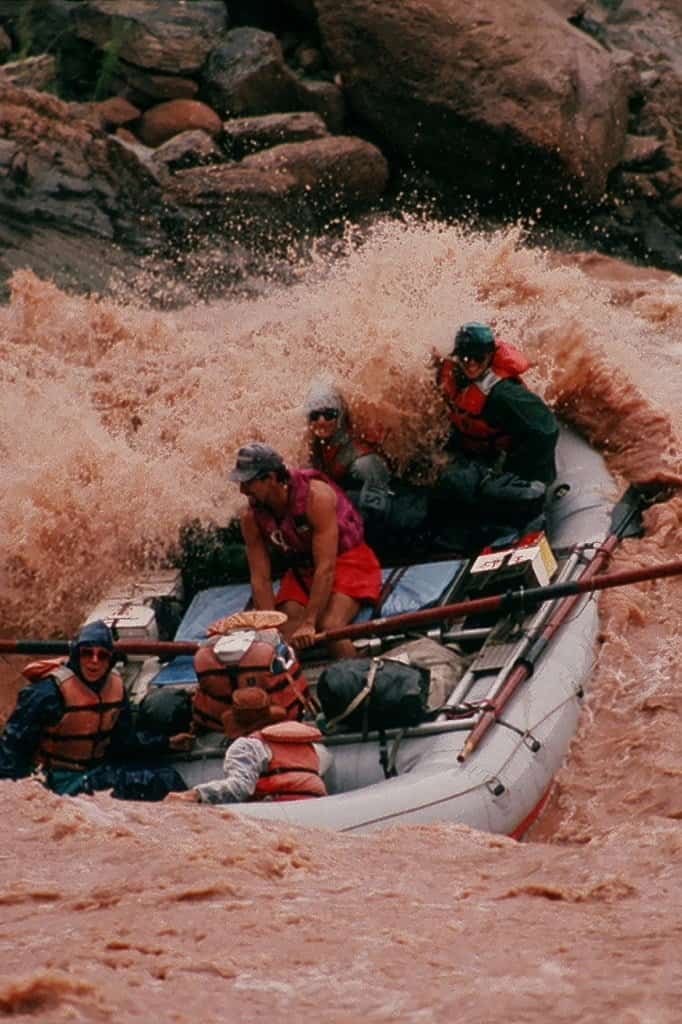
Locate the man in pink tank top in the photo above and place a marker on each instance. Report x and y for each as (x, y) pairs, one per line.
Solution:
(318, 533)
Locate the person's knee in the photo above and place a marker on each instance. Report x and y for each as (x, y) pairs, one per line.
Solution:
(339, 612)
(511, 488)
(461, 482)
(294, 613)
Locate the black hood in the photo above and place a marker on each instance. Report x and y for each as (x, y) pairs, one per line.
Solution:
(93, 634)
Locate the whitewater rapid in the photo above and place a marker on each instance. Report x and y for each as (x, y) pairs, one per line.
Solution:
(117, 425)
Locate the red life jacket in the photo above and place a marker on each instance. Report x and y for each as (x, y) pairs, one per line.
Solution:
(292, 533)
(335, 457)
(218, 681)
(467, 404)
(294, 770)
(80, 739)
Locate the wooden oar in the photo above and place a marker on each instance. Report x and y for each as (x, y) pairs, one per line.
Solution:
(162, 648)
(521, 598)
(625, 521)
(625, 516)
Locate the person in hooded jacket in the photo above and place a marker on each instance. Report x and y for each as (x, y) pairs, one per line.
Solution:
(503, 436)
(74, 723)
(277, 762)
(392, 510)
(335, 448)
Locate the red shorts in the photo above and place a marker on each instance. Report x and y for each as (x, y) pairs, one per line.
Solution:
(357, 575)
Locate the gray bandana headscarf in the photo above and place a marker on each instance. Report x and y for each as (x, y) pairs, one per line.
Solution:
(324, 394)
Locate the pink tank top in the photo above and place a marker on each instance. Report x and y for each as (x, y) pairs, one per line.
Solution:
(292, 534)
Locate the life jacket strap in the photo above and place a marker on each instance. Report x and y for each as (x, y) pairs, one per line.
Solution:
(285, 771)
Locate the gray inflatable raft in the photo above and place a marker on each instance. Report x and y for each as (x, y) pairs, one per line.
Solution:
(504, 782)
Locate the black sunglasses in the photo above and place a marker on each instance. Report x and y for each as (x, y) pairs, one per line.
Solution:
(326, 414)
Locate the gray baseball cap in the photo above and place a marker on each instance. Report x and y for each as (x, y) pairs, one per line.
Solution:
(254, 460)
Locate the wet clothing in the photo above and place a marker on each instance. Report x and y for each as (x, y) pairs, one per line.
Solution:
(349, 462)
(79, 740)
(41, 706)
(292, 534)
(149, 784)
(531, 427)
(357, 574)
(503, 442)
(294, 768)
(362, 473)
(278, 763)
(467, 400)
(498, 416)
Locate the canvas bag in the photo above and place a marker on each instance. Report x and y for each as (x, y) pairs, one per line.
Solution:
(364, 694)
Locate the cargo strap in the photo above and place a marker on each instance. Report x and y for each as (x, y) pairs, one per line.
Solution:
(357, 700)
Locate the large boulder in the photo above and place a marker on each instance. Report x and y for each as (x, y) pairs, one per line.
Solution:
(188, 149)
(110, 114)
(146, 87)
(495, 98)
(245, 135)
(246, 74)
(334, 171)
(78, 206)
(650, 33)
(159, 34)
(644, 35)
(255, 206)
(280, 191)
(58, 167)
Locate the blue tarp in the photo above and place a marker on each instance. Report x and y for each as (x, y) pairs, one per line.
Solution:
(210, 605)
(416, 587)
(207, 606)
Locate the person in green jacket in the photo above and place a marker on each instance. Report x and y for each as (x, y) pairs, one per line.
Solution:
(503, 436)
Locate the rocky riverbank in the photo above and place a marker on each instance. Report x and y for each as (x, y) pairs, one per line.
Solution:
(175, 146)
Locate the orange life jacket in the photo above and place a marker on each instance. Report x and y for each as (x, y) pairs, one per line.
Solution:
(467, 403)
(294, 770)
(218, 681)
(80, 739)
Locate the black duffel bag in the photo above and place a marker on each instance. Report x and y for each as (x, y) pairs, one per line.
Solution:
(363, 694)
(166, 710)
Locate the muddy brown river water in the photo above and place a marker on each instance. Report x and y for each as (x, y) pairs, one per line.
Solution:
(116, 424)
